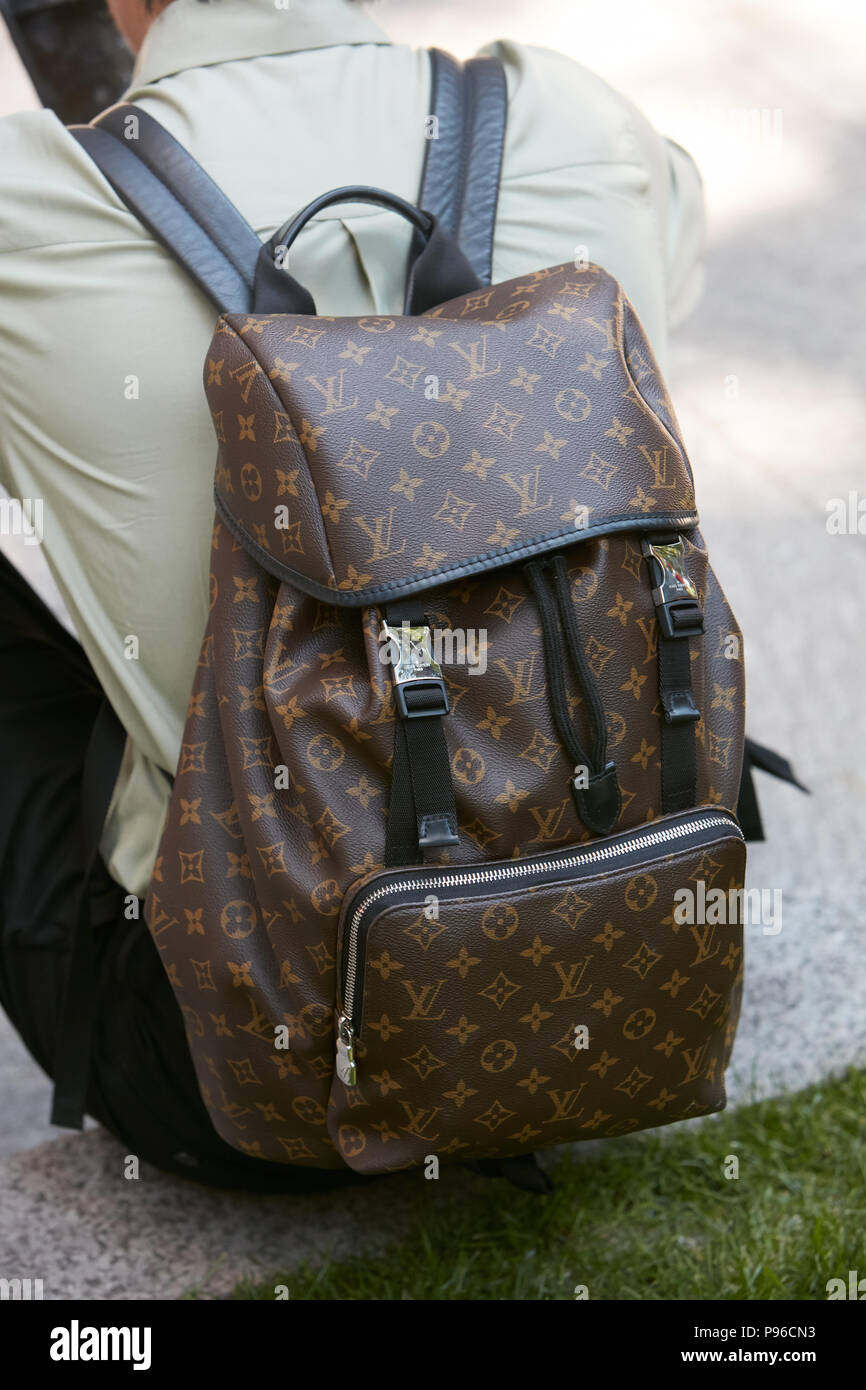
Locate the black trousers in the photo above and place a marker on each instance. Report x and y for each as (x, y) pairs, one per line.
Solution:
(142, 1085)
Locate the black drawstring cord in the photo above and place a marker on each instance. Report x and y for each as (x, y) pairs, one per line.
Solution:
(553, 652)
(579, 661)
(599, 803)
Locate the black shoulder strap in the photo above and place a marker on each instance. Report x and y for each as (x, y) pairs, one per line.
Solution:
(177, 201)
(182, 207)
(463, 160)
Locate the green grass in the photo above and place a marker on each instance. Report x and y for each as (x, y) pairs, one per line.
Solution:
(647, 1217)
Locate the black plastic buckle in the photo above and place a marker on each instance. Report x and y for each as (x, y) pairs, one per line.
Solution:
(677, 608)
(682, 618)
(426, 698)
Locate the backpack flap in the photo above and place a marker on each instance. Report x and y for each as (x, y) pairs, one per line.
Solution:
(365, 459)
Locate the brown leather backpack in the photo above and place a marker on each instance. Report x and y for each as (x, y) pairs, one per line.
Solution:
(467, 726)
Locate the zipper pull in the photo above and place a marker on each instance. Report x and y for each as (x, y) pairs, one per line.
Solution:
(347, 1071)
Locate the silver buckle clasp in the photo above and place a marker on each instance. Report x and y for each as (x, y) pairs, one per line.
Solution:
(417, 675)
(676, 599)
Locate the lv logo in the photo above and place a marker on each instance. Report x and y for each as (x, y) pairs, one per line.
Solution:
(564, 1103)
(549, 821)
(571, 980)
(423, 1000)
(332, 393)
(380, 534)
(650, 633)
(606, 328)
(418, 1120)
(521, 680)
(663, 476)
(526, 487)
(160, 920)
(476, 357)
(695, 1060)
(259, 1025)
(704, 937)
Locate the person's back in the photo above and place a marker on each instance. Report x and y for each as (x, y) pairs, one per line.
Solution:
(102, 335)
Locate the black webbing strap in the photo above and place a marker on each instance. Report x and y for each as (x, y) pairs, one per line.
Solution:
(72, 1063)
(679, 754)
(748, 811)
(679, 617)
(422, 813)
(462, 165)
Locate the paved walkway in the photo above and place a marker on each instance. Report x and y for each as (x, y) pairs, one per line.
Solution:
(768, 377)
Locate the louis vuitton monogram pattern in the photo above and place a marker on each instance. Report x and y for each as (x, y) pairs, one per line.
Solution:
(490, 421)
(468, 1044)
(282, 786)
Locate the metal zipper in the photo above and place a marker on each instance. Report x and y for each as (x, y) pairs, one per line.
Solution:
(470, 878)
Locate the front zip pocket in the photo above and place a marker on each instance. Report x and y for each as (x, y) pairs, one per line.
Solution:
(517, 1005)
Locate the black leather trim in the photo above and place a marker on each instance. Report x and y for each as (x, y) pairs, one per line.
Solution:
(446, 574)
(487, 115)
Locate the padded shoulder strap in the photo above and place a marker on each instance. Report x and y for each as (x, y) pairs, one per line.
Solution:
(177, 201)
(442, 175)
(463, 160)
(182, 207)
(488, 105)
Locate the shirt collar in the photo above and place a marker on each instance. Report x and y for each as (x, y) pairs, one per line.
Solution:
(189, 34)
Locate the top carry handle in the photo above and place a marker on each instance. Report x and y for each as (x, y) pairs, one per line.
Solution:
(182, 207)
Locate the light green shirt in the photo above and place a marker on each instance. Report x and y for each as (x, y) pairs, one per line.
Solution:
(102, 337)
